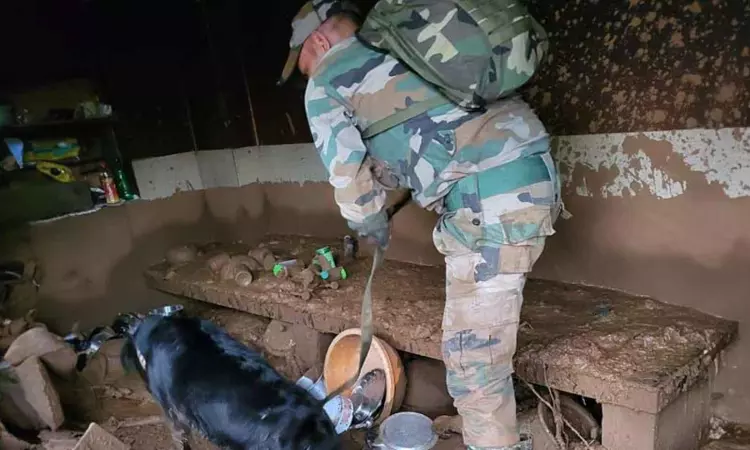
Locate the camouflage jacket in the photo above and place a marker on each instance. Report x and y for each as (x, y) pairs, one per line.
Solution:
(355, 86)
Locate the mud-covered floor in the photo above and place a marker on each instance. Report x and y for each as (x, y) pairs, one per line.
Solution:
(121, 405)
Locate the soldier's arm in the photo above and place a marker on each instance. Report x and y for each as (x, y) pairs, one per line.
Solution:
(340, 146)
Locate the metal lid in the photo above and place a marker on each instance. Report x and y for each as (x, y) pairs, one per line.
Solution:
(408, 431)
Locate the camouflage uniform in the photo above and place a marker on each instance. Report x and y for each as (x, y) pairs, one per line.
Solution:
(492, 180)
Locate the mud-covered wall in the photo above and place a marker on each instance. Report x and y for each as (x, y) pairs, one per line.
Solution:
(638, 65)
(91, 265)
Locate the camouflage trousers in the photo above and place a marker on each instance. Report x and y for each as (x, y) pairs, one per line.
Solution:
(491, 237)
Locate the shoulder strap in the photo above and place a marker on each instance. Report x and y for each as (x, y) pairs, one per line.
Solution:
(402, 116)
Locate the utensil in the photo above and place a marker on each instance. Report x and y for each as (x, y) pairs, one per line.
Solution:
(367, 397)
(405, 431)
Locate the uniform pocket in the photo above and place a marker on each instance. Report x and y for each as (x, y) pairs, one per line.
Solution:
(526, 226)
(521, 235)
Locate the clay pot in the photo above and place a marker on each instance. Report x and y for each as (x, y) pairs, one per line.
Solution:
(238, 272)
(243, 278)
(181, 254)
(247, 261)
(263, 256)
(342, 359)
(216, 262)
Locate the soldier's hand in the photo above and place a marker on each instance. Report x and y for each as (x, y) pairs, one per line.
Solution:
(380, 237)
(377, 230)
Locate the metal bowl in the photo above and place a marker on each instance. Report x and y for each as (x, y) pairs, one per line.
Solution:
(367, 397)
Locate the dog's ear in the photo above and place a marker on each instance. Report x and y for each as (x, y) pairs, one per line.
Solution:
(129, 357)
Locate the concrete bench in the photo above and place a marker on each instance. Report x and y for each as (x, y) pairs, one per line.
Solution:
(648, 363)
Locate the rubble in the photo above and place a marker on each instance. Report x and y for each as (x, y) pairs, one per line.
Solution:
(59, 440)
(59, 357)
(181, 254)
(311, 345)
(15, 409)
(10, 442)
(40, 393)
(105, 366)
(97, 438)
(216, 262)
(264, 256)
(11, 329)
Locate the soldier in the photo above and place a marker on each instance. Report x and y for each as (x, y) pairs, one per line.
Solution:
(488, 174)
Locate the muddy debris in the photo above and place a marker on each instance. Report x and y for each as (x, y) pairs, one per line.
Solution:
(60, 440)
(264, 256)
(119, 392)
(58, 356)
(10, 442)
(10, 329)
(40, 392)
(237, 271)
(181, 254)
(278, 339)
(251, 264)
(97, 438)
(216, 262)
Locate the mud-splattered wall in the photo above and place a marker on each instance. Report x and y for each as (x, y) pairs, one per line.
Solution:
(642, 65)
(613, 66)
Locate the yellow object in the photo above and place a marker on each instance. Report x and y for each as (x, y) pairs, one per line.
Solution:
(58, 172)
(52, 150)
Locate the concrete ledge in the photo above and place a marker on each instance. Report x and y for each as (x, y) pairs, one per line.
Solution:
(681, 425)
(617, 348)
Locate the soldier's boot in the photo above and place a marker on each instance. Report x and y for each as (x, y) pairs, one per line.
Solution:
(525, 443)
(445, 425)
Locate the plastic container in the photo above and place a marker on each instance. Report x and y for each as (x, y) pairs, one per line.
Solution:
(339, 409)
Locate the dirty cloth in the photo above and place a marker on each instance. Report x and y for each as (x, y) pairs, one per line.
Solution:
(490, 176)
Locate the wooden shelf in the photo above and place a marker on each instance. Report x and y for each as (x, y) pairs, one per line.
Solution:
(55, 128)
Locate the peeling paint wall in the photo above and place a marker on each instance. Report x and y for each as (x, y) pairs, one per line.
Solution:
(664, 164)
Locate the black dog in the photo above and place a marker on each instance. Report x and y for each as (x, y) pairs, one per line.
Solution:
(207, 381)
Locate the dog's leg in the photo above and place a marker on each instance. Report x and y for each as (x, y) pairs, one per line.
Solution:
(179, 431)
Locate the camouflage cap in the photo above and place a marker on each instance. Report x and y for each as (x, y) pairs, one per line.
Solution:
(308, 19)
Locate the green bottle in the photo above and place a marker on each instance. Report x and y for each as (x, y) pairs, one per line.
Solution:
(126, 193)
(326, 253)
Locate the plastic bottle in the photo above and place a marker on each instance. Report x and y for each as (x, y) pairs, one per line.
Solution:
(122, 182)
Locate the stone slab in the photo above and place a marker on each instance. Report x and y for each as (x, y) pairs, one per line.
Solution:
(97, 438)
(615, 347)
(40, 392)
